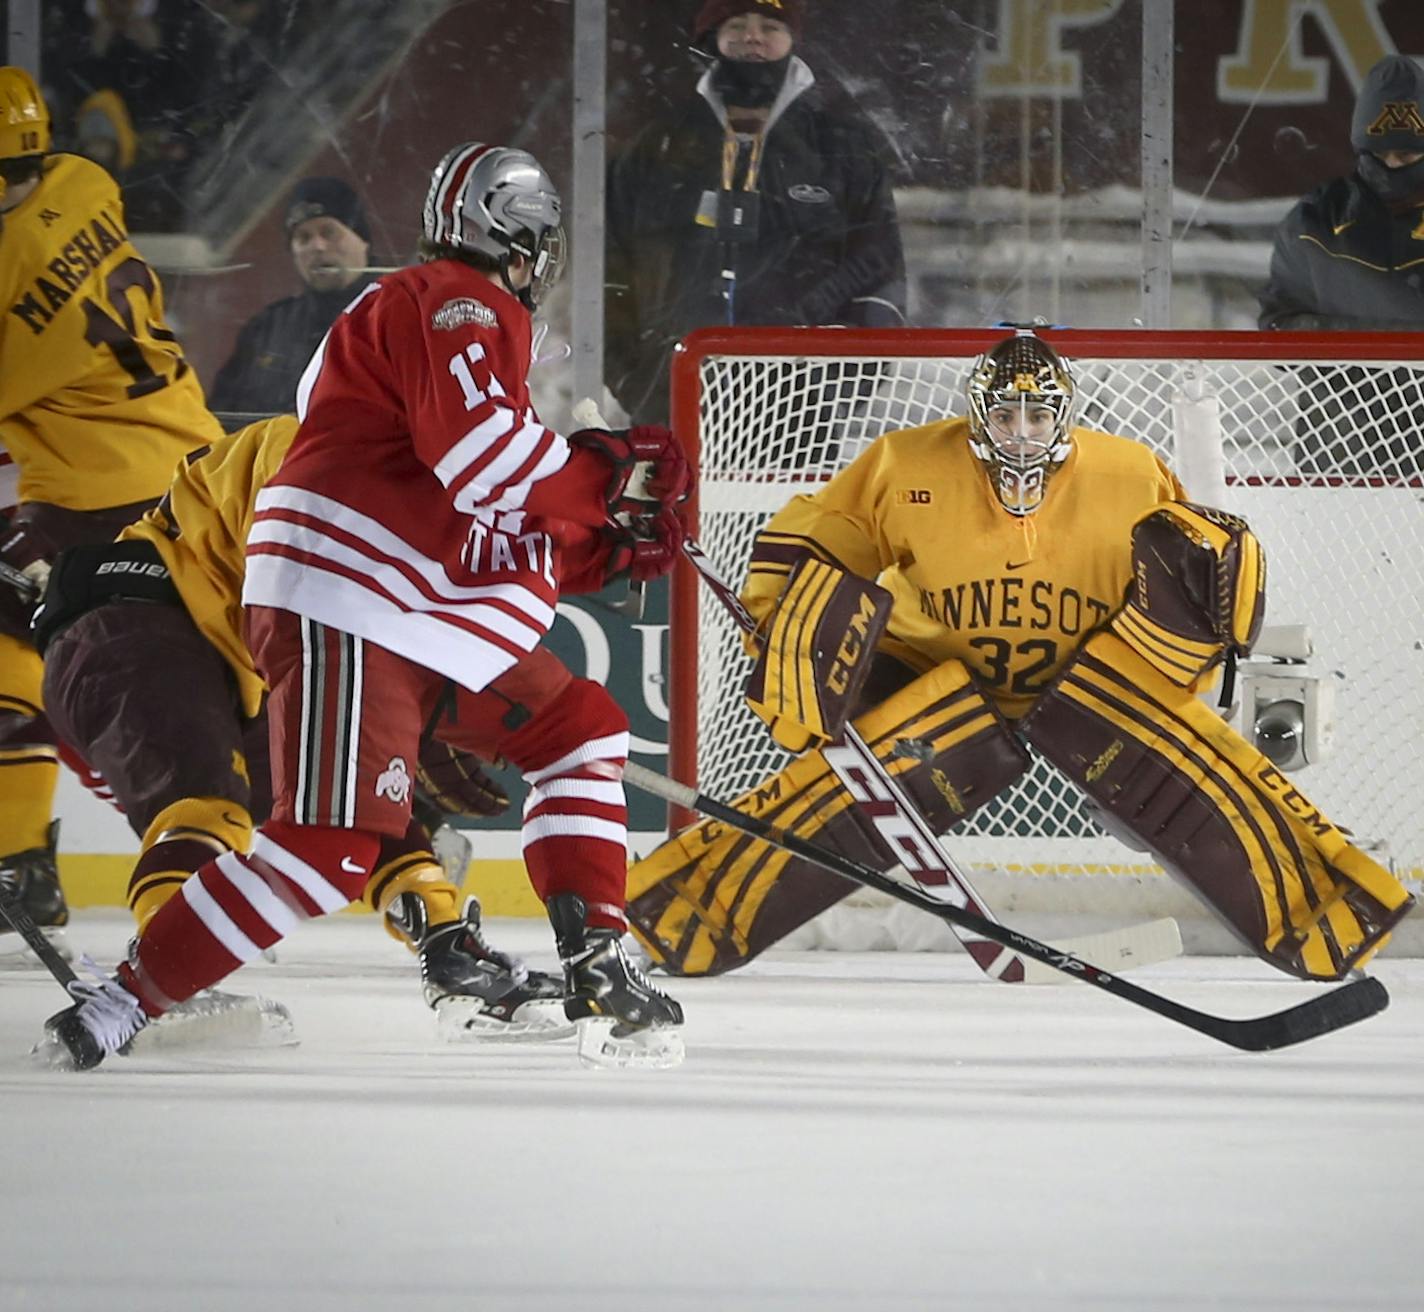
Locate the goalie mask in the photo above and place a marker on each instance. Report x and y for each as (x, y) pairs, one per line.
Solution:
(499, 202)
(1020, 418)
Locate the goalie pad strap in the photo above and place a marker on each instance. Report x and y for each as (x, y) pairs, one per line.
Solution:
(710, 899)
(816, 652)
(1217, 814)
(1198, 590)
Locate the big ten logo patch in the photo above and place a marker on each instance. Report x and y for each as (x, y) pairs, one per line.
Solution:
(914, 496)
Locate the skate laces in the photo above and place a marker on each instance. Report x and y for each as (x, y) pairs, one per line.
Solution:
(107, 1009)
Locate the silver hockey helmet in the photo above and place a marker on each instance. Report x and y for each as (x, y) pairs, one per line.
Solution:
(1020, 417)
(498, 201)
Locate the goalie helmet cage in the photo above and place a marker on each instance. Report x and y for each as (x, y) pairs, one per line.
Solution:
(1317, 438)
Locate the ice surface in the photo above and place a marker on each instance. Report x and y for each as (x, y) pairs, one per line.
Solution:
(858, 1131)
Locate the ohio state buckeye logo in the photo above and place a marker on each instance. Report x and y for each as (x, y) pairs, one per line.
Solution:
(394, 781)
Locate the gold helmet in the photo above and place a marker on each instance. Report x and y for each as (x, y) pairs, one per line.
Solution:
(24, 119)
(1020, 417)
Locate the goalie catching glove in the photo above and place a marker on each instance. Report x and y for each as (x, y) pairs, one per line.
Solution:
(816, 652)
(1198, 592)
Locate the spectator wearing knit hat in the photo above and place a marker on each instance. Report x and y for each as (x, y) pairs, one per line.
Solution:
(1350, 255)
(330, 244)
(761, 199)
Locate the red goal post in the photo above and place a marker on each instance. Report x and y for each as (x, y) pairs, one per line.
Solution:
(1318, 438)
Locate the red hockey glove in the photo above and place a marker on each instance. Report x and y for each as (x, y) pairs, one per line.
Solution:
(649, 468)
(644, 550)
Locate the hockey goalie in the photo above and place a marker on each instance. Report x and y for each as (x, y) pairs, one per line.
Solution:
(990, 583)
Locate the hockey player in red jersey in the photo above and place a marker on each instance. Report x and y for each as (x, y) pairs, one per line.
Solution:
(403, 566)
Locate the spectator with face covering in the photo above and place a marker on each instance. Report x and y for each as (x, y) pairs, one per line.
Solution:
(1350, 255)
(330, 243)
(760, 199)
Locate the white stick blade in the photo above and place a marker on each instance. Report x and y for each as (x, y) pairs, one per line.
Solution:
(1115, 950)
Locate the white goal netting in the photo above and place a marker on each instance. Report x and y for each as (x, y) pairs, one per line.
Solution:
(1324, 456)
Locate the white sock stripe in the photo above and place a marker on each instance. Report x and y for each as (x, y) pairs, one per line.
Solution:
(610, 909)
(302, 802)
(353, 740)
(217, 921)
(574, 826)
(605, 792)
(308, 878)
(258, 894)
(596, 749)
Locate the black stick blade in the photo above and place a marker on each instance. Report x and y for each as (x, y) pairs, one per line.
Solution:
(1331, 1011)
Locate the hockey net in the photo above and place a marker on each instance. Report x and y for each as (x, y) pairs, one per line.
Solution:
(1318, 439)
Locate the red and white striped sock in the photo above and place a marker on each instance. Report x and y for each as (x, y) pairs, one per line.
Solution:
(233, 907)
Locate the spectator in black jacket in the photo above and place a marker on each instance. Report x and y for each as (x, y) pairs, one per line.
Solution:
(331, 245)
(758, 173)
(1350, 256)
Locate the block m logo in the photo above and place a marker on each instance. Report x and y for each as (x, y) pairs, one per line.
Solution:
(1398, 116)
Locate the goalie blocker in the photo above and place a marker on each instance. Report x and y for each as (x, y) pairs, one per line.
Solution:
(816, 653)
(710, 899)
(1122, 722)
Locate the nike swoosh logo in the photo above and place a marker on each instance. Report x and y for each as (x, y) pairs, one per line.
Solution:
(1338, 228)
(1020, 565)
(351, 868)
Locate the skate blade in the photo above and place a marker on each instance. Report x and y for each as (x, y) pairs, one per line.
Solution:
(224, 1020)
(14, 951)
(461, 1020)
(654, 1049)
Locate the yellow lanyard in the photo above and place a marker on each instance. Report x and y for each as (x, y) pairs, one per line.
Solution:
(731, 148)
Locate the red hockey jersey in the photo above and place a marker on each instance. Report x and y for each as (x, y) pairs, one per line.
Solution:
(408, 510)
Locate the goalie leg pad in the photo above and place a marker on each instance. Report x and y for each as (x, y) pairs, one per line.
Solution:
(1218, 815)
(817, 650)
(710, 899)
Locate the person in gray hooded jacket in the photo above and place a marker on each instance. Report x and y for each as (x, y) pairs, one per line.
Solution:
(760, 200)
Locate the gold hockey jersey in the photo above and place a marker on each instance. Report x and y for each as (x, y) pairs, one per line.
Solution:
(1011, 597)
(97, 403)
(200, 529)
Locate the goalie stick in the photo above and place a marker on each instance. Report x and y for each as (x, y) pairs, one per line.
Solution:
(866, 779)
(1308, 1020)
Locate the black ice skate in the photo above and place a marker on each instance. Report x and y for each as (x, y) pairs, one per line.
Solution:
(31, 878)
(104, 1018)
(476, 991)
(622, 1019)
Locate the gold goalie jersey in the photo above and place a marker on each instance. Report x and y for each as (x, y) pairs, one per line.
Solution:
(201, 527)
(1010, 596)
(97, 403)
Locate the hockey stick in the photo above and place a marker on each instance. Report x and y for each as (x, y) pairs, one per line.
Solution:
(27, 587)
(865, 778)
(26, 928)
(1308, 1020)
